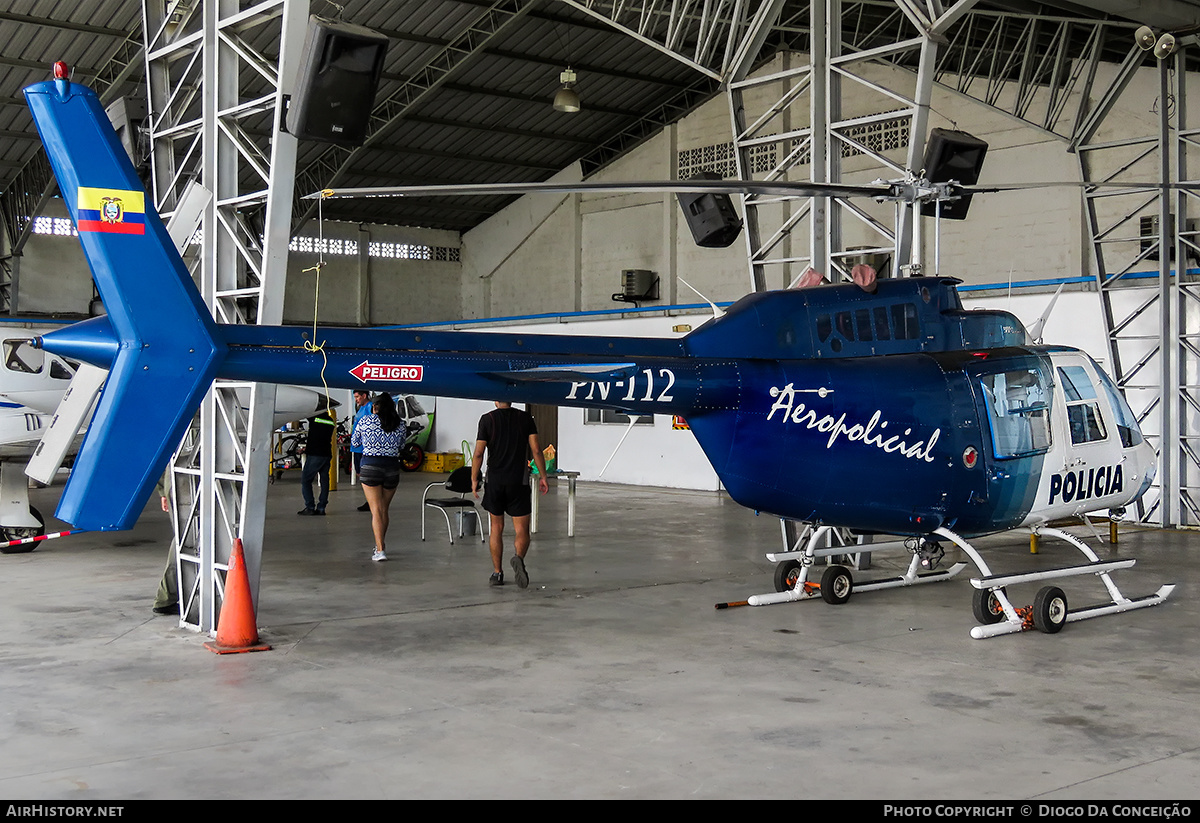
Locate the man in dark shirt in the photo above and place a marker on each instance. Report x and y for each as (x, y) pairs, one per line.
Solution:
(508, 435)
(318, 454)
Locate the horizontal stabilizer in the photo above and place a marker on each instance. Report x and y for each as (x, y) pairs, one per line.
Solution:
(71, 416)
(575, 372)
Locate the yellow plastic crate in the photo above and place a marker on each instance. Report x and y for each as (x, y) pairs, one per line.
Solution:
(442, 462)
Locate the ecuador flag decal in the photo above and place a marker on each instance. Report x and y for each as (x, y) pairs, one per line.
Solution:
(113, 211)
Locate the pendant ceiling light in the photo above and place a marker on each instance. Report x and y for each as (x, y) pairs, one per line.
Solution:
(566, 99)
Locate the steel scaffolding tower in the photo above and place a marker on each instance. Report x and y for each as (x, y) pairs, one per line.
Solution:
(218, 72)
(1152, 322)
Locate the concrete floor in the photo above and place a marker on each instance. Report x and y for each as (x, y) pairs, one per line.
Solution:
(612, 676)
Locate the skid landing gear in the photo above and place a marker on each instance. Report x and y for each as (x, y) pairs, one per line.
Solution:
(837, 582)
(1049, 612)
(990, 602)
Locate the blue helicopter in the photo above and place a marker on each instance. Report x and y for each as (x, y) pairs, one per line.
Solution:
(888, 410)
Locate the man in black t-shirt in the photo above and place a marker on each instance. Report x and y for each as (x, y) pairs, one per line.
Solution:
(508, 435)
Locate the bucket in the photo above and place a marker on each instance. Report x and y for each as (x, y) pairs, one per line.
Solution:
(468, 523)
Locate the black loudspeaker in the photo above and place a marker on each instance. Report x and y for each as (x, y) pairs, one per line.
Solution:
(953, 155)
(339, 75)
(711, 217)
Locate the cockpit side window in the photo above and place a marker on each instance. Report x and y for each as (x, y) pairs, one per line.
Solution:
(21, 357)
(1083, 410)
(1018, 411)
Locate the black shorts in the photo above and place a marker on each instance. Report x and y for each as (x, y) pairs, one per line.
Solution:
(380, 471)
(513, 499)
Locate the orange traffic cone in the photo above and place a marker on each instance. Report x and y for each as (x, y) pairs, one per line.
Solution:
(237, 630)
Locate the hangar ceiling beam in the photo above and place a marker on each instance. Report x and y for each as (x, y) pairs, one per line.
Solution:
(678, 25)
(62, 25)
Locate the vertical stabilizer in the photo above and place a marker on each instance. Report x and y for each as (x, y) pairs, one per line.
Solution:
(166, 346)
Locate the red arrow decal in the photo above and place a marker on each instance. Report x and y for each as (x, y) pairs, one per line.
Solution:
(366, 370)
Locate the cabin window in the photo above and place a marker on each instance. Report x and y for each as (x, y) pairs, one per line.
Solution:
(60, 370)
(614, 417)
(824, 327)
(1083, 408)
(862, 320)
(1017, 411)
(904, 322)
(882, 332)
(845, 325)
(21, 357)
(1127, 426)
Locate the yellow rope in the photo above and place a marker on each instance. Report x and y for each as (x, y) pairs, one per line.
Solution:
(311, 345)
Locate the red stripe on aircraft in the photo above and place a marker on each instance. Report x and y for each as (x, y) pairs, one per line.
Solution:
(112, 228)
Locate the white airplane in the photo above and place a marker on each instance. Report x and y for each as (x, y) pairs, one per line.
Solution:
(32, 385)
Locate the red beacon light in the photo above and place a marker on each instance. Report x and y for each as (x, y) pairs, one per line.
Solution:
(62, 79)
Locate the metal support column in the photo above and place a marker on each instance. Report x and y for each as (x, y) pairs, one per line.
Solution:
(216, 116)
(1152, 325)
(885, 134)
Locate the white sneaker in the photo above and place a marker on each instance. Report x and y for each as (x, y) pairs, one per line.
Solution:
(378, 556)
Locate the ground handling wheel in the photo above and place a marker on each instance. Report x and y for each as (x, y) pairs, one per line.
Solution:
(986, 606)
(1050, 610)
(786, 575)
(836, 585)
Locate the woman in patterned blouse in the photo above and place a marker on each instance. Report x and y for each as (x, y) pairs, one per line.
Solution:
(381, 434)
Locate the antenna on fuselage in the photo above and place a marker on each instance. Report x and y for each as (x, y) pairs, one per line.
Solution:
(1039, 325)
(717, 311)
(633, 419)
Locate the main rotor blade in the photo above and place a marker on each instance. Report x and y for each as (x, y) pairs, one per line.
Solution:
(1071, 184)
(777, 188)
(909, 190)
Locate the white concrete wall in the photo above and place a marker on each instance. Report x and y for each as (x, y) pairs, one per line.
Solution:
(360, 290)
(54, 278)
